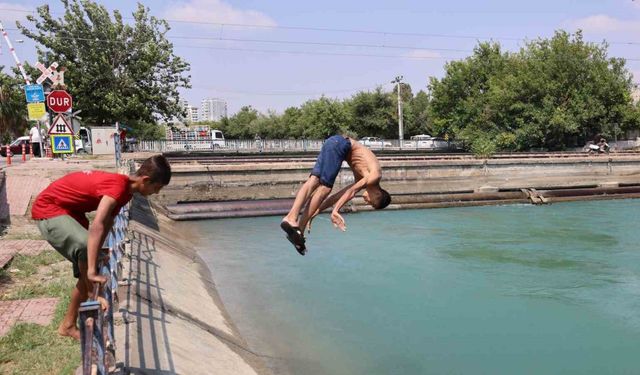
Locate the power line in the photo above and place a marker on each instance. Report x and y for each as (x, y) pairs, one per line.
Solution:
(294, 42)
(320, 53)
(288, 93)
(362, 31)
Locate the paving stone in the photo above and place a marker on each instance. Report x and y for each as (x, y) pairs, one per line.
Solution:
(37, 310)
(9, 248)
(20, 189)
(10, 311)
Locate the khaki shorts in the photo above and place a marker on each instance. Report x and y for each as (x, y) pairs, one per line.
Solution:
(68, 237)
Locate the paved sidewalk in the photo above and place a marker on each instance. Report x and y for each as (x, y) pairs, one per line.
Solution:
(20, 190)
(37, 310)
(9, 248)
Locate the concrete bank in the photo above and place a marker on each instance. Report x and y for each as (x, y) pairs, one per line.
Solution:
(231, 187)
(172, 320)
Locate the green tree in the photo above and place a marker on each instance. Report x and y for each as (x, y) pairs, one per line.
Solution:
(554, 93)
(115, 71)
(13, 108)
(459, 105)
(421, 121)
(240, 124)
(322, 117)
(374, 114)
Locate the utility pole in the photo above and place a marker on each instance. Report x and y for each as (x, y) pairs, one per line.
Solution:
(397, 81)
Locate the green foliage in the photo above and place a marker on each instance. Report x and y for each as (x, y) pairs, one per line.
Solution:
(115, 71)
(554, 93)
(13, 108)
(483, 147)
(323, 117)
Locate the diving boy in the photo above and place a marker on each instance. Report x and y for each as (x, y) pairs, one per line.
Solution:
(60, 213)
(313, 193)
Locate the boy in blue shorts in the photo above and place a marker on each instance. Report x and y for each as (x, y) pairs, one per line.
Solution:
(314, 192)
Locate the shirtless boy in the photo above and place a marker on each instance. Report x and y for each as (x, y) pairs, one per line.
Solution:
(313, 193)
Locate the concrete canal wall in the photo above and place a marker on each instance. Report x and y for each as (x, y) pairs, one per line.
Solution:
(413, 182)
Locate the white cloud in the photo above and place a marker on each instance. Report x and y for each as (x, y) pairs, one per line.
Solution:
(422, 54)
(605, 24)
(12, 12)
(215, 11)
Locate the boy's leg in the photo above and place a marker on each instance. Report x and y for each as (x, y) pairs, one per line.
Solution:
(79, 294)
(69, 238)
(302, 197)
(316, 200)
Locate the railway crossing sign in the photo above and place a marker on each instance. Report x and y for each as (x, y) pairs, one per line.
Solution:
(60, 125)
(59, 101)
(50, 73)
(62, 143)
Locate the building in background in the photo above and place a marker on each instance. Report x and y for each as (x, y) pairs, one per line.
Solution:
(213, 109)
(192, 113)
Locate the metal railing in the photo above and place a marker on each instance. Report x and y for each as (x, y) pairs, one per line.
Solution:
(97, 335)
(277, 145)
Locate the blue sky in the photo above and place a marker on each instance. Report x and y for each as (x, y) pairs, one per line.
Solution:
(301, 53)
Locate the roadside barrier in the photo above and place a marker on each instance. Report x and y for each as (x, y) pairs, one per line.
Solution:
(97, 337)
(24, 152)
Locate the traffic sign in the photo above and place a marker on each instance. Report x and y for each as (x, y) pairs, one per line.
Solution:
(59, 101)
(34, 93)
(36, 111)
(62, 143)
(60, 125)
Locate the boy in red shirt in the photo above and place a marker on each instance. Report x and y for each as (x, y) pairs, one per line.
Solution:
(60, 211)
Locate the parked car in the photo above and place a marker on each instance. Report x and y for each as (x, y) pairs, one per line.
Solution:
(375, 142)
(15, 148)
(425, 141)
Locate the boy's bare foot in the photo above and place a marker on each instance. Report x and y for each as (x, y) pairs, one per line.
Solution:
(73, 332)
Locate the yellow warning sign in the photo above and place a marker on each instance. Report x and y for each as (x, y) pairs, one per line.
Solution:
(36, 110)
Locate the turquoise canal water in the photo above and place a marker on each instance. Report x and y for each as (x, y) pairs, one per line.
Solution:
(481, 290)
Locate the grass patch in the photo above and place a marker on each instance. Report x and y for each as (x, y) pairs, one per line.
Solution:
(34, 349)
(28, 265)
(30, 348)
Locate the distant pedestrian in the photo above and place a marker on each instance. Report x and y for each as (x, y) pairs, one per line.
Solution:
(313, 193)
(35, 137)
(60, 212)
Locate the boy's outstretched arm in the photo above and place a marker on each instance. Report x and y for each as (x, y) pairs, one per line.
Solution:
(98, 230)
(330, 201)
(349, 193)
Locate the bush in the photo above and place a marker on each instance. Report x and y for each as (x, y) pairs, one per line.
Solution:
(483, 148)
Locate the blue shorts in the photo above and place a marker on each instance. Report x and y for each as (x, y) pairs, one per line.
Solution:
(333, 152)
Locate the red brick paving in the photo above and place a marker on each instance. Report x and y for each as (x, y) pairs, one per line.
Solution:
(9, 248)
(37, 310)
(20, 189)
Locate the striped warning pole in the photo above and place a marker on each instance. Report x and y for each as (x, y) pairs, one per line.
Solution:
(15, 56)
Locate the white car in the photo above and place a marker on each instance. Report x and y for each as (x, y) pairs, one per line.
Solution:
(375, 142)
(425, 141)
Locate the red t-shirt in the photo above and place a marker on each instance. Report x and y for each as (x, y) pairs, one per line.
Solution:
(80, 192)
